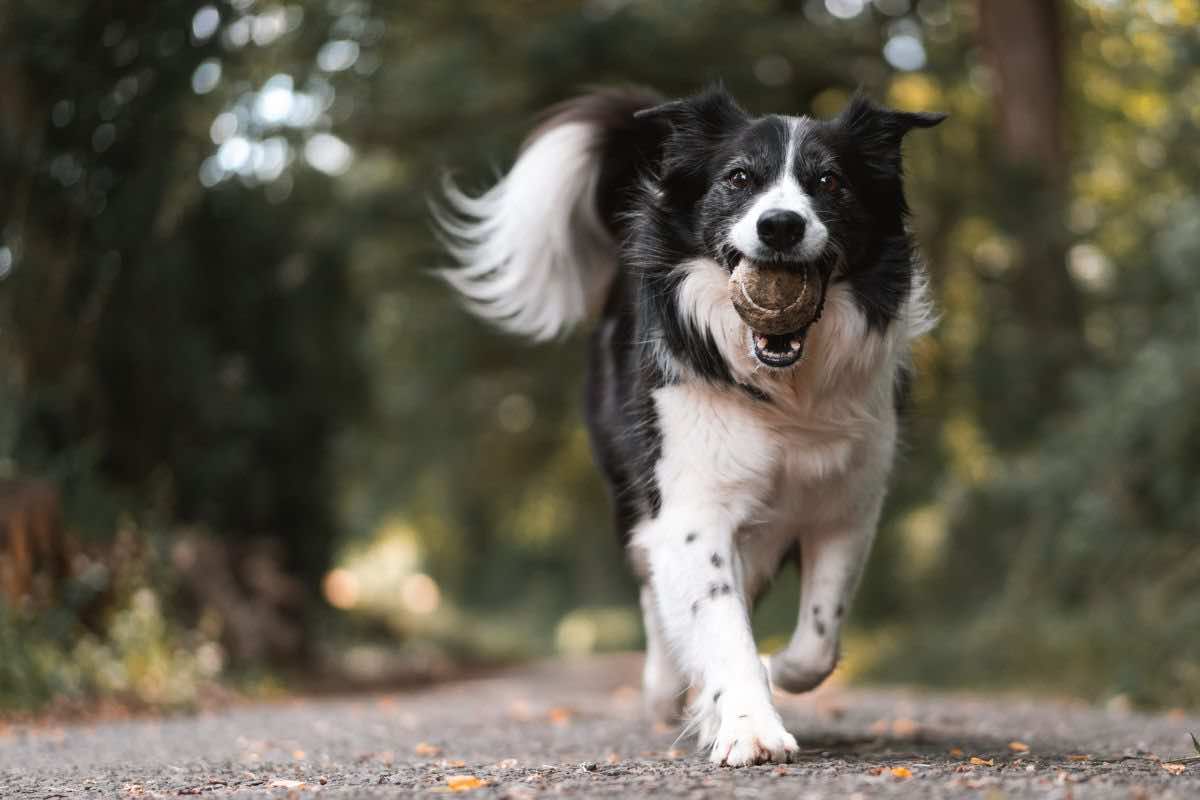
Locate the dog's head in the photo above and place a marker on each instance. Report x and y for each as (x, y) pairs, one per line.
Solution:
(786, 204)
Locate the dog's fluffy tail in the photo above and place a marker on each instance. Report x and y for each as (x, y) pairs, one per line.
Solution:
(537, 252)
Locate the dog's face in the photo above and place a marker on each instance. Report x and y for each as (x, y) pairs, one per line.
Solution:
(816, 198)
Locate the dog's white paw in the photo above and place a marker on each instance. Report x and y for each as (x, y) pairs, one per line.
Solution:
(745, 739)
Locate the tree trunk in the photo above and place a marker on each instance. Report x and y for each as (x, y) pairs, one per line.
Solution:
(1022, 41)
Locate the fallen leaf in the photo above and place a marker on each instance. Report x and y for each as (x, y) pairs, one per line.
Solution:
(427, 749)
(464, 783)
(559, 716)
(957, 752)
(905, 727)
(674, 753)
(903, 773)
(875, 771)
(507, 763)
(298, 755)
(453, 762)
(1078, 757)
(1195, 742)
(613, 758)
(1018, 747)
(982, 762)
(1174, 769)
(284, 783)
(878, 727)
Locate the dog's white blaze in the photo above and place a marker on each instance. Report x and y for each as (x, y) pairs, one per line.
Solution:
(786, 193)
(535, 257)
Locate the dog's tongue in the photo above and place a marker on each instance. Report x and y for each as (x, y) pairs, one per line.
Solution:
(776, 300)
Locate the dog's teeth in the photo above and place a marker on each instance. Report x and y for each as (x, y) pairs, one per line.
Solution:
(762, 343)
(796, 344)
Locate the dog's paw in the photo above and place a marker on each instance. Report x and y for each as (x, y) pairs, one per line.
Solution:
(745, 739)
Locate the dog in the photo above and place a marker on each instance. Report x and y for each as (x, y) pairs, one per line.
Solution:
(731, 448)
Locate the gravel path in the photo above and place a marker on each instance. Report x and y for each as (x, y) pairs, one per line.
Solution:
(573, 729)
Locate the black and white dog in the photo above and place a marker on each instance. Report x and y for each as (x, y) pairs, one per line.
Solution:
(730, 451)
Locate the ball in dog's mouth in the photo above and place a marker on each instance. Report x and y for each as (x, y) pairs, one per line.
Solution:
(778, 302)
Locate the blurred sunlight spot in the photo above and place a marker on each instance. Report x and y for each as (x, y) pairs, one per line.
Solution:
(576, 635)
(340, 588)
(211, 172)
(515, 413)
(844, 9)
(62, 113)
(829, 102)
(237, 35)
(337, 55)
(223, 127)
(420, 594)
(586, 630)
(773, 70)
(995, 254)
(269, 26)
(306, 109)
(905, 52)
(207, 76)
(970, 453)
(328, 153)
(914, 93)
(925, 532)
(275, 101)
(103, 137)
(1090, 267)
(6, 262)
(205, 22)
(233, 154)
(269, 158)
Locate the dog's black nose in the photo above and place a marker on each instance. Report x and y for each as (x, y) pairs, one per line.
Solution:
(780, 229)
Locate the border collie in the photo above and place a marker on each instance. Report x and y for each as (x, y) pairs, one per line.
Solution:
(757, 292)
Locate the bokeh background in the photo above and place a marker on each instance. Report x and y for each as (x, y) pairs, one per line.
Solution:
(247, 441)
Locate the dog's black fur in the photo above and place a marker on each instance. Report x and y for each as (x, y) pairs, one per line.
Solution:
(662, 195)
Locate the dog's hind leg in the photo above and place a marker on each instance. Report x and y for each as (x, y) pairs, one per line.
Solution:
(664, 685)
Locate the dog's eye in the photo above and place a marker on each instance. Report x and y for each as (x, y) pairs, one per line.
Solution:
(738, 179)
(830, 182)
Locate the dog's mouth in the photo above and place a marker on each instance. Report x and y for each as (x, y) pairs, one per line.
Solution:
(778, 303)
(781, 349)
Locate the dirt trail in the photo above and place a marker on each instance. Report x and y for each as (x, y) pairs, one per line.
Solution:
(574, 729)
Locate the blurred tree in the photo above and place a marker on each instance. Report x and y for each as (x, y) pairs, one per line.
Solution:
(178, 355)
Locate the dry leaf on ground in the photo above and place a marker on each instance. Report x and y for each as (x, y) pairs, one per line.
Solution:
(1018, 747)
(1174, 769)
(559, 716)
(427, 749)
(903, 773)
(982, 762)
(957, 752)
(464, 783)
(285, 783)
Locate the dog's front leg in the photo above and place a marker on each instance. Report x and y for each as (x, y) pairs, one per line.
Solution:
(696, 578)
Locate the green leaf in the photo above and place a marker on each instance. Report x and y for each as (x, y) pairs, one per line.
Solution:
(1195, 742)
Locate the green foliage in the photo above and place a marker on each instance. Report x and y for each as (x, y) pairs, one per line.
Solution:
(194, 336)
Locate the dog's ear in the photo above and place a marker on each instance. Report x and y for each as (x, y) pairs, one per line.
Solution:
(876, 132)
(692, 129)
(712, 111)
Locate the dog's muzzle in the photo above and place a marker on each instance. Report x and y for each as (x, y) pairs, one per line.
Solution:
(779, 303)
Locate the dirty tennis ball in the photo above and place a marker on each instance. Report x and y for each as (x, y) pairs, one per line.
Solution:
(776, 300)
